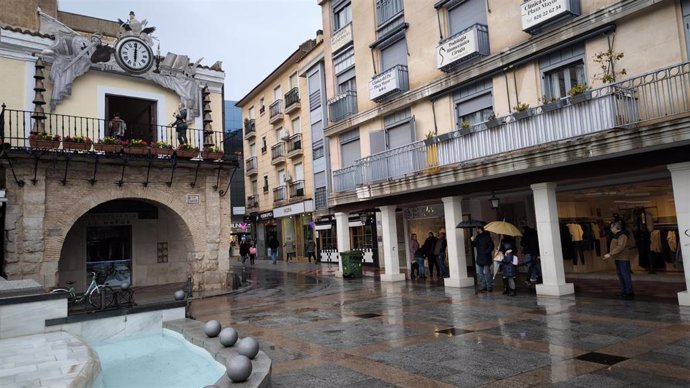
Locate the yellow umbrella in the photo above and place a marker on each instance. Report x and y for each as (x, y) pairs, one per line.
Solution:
(502, 227)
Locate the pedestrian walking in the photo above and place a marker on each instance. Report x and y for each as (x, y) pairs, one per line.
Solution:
(439, 254)
(427, 249)
(289, 249)
(530, 250)
(252, 251)
(273, 246)
(485, 246)
(244, 251)
(509, 269)
(311, 250)
(413, 248)
(617, 250)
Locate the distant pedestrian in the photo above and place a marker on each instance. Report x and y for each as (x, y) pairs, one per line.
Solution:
(427, 249)
(530, 250)
(439, 254)
(509, 269)
(244, 251)
(414, 265)
(252, 252)
(273, 246)
(117, 127)
(485, 246)
(617, 250)
(311, 250)
(289, 249)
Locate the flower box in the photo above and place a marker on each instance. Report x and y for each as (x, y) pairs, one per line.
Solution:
(44, 144)
(186, 154)
(579, 98)
(107, 148)
(212, 155)
(495, 122)
(136, 150)
(522, 114)
(70, 145)
(552, 106)
(162, 151)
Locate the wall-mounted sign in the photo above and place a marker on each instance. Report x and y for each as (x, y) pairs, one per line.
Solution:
(238, 210)
(538, 12)
(102, 219)
(193, 199)
(457, 47)
(341, 38)
(265, 216)
(384, 83)
(421, 212)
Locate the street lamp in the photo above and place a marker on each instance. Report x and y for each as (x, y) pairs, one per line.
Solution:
(494, 201)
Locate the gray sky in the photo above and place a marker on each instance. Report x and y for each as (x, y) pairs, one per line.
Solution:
(251, 37)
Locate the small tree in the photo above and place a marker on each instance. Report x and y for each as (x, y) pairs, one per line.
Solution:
(607, 61)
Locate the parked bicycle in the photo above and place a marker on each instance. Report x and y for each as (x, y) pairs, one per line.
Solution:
(100, 296)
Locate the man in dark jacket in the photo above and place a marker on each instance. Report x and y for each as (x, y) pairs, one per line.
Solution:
(273, 245)
(485, 246)
(530, 248)
(428, 248)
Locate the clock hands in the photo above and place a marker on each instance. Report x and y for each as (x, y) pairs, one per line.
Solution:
(136, 50)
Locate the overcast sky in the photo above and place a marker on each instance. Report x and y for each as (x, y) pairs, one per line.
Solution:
(251, 37)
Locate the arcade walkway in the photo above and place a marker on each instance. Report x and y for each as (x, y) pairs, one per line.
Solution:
(322, 331)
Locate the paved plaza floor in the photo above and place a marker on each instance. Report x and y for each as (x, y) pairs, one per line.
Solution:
(323, 331)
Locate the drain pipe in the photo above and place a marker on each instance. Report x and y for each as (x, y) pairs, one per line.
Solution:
(433, 113)
(505, 76)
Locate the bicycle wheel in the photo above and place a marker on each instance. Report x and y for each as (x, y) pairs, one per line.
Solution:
(101, 297)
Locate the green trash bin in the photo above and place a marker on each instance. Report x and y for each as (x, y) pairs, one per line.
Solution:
(352, 264)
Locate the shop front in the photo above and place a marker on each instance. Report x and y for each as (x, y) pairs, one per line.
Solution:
(266, 226)
(296, 225)
(326, 240)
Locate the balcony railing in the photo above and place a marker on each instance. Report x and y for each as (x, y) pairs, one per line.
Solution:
(659, 94)
(388, 83)
(292, 100)
(456, 50)
(275, 111)
(296, 189)
(279, 194)
(253, 201)
(278, 153)
(342, 105)
(18, 125)
(249, 128)
(294, 145)
(251, 166)
(387, 9)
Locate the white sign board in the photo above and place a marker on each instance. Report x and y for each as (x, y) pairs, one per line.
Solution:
(456, 48)
(384, 83)
(238, 210)
(289, 210)
(535, 12)
(341, 38)
(193, 199)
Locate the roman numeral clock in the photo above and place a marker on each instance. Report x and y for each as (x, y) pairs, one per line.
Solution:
(134, 55)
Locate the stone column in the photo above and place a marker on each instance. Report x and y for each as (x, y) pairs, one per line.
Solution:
(342, 231)
(457, 260)
(546, 214)
(680, 178)
(391, 261)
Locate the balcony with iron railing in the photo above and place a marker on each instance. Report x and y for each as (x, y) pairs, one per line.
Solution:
(661, 94)
(387, 10)
(389, 83)
(253, 202)
(278, 153)
(456, 50)
(251, 166)
(249, 128)
(296, 190)
(275, 111)
(342, 105)
(292, 100)
(279, 194)
(21, 131)
(294, 145)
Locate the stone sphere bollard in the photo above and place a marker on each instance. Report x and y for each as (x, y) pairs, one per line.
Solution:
(124, 286)
(179, 295)
(212, 328)
(228, 336)
(248, 347)
(239, 369)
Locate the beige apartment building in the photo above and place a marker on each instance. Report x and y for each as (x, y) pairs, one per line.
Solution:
(565, 113)
(279, 174)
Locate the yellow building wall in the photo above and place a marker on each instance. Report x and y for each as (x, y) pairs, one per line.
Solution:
(13, 80)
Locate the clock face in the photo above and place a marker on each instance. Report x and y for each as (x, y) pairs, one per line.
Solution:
(134, 55)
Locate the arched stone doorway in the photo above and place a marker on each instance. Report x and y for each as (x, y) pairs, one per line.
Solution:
(140, 241)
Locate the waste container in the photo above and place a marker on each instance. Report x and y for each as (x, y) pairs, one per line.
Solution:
(352, 264)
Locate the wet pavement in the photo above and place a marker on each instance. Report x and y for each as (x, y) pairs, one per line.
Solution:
(323, 331)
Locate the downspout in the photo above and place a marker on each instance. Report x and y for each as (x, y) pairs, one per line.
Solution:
(433, 112)
(505, 76)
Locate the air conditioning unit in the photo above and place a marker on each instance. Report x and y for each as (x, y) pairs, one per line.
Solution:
(288, 178)
(284, 135)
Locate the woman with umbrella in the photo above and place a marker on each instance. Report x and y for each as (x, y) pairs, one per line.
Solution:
(507, 260)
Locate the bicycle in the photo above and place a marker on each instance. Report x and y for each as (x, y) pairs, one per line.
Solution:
(100, 296)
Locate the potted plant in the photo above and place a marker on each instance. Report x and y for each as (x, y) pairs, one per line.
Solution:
(550, 104)
(607, 61)
(522, 111)
(492, 121)
(77, 143)
(430, 138)
(579, 93)
(186, 151)
(108, 145)
(465, 128)
(212, 152)
(44, 140)
(162, 148)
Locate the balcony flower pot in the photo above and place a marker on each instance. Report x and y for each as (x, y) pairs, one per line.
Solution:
(552, 106)
(76, 146)
(44, 144)
(494, 122)
(162, 151)
(464, 131)
(212, 155)
(522, 114)
(137, 150)
(188, 154)
(108, 148)
(580, 98)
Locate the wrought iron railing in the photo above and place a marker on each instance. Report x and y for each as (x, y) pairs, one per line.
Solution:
(291, 97)
(659, 94)
(275, 108)
(17, 126)
(295, 143)
(342, 105)
(251, 165)
(249, 126)
(296, 189)
(253, 201)
(279, 194)
(278, 151)
(387, 9)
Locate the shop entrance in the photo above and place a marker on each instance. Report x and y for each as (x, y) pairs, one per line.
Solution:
(139, 115)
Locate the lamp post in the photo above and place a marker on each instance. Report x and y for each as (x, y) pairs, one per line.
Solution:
(494, 202)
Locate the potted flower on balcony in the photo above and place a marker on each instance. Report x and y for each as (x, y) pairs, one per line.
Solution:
(430, 138)
(77, 143)
(136, 147)
(579, 93)
(186, 151)
(465, 128)
(162, 148)
(550, 104)
(212, 153)
(44, 140)
(109, 145)
(522, 111)
(492, 121)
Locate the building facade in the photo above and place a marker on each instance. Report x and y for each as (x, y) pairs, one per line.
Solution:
(233, 149)
(571, 113)
(111, 163)
(279, 175)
